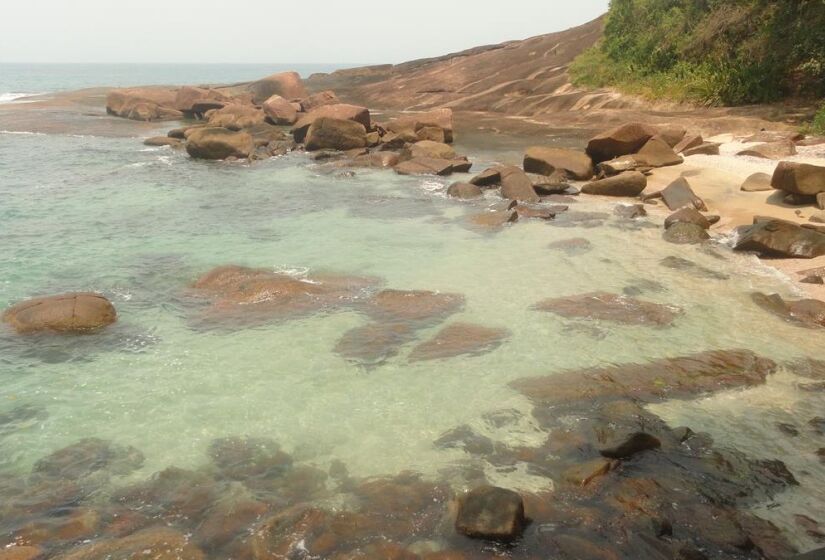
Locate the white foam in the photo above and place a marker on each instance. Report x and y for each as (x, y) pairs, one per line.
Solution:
(22, 132)
(11, 96)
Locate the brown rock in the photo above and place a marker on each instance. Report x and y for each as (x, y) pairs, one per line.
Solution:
(339, 111)
(799, 178)
(459, 339)
(770, 150)
(687, 215)
(820, 201)
(374, 343)
(429, 150)
(516, 185)
(228, 518)
(807, 312)
(621, 164)
(495, 218)
(572, 246)
(757, 182)
(488, 178)
(219, 143)
(16, 552)
(286, 84)
(188, 98)
(491, 513)
(413, 306)
(583, 474)
(377, 159)
(604, 306)
(620, 141)
(280, 111)
(157, 543)
(679, 194)
(705, 149)
(143, 104)
(438, 118)
(426, 166)
(657, 153)
(673, 134)
(235, 116)
(432, 133)
(630, 211)
(242, 458)
(629, 183)
(463, 191)
(778, 238)
(631, 445)
(537, 211)
(319, 100)
(163, 141)
(546, 160)
(688, 142)
(684, 233)
(72, 525)
(73, 312)
(335, 134)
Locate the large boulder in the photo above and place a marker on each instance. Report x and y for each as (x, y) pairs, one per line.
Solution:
(516, 185)
(72, 313)
(799, 178)
(657, 153)
(428, 149)
(319, 100)
(413, 123)
(623, 140)
(280, 111)
(688, 142)
(770, 150)
(778, 238)
(335, 134)
(143, 104)
(189, 98)
(704, 149)
(286, 84)
(340, 111)
(219, 143)
(673, 134)
(546, 160)
(236, 116)
(629, 183)
(491, 513)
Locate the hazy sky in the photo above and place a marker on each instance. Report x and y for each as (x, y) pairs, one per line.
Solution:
(272, 31)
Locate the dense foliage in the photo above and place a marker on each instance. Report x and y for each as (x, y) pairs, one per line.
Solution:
(710, 51)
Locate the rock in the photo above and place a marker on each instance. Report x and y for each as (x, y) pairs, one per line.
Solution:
(427, 166)
(818, 425)
(572, 246)
(398, 141)
(657, 153)
(538, 211)
(463, 191)
(87, 457)
(340, 111)
(630, 211)
(605, 306)
(673, 134)
(687, 215)
(821, 454)
(188, 98)
(583, 474)
(818, 217)
(491, 513)
(679, 194)
(373, 139)
(414, 306)
(428, 149)
(806, 312)
(691, 268)
(757, 182)
(377, 159)
(688, 142)
(629, 183)
(495, 218)
(778, 238)
(335, 134)
(621, 164)
(706, 149)
(143, 104)
(793, 199)
(157, 543)
(683, 233)
(17, 552)
(488, 178)
(799, 178)
(68, 313)
(235, 116)
(374, 343)
(280, 111)
(219, 143)
(550, 185)
(631, 445)
(73, 525)
(620, 141)
(459, 339)
(432, 133)
(232, 515)
(412, 123)
(286, 84)
(163, 141)
(770, 150)
(516, 185)
(180, 133)
(241, 458)
(319, 100)
(548, 160)
(788, 429)
(820, 201)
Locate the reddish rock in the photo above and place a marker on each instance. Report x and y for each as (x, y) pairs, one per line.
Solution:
(491, 513)
(16, 552)
(280, 111)
(623, 140)
(159, 141)
(495, 218)
(704, 149)
(219, 143)
(688, 142)
(429, 150)
(657, 153)
(157, 543)
(286, 84)
(516, 185)
(806, 312)
(319, 100)
(778, 238)
(235, 116)
(143, 104)
(188, 97)
(437, 118)
(374, 343)
(426, 166)
(757, 182)
(770, 150)
(335, 134)
(610, 307)
(679, 194)
(459, 339)
(73, 312)
(629, 183)
(463, 191)
(413, 306)
(799, 178)
(546, 160)
(339, 111)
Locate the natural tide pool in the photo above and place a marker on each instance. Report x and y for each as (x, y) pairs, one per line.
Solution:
(141, 225)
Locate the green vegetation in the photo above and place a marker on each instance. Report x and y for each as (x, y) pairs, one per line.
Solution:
(818, 124)
(713, 52)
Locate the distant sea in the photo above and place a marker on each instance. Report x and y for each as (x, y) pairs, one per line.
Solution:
(20, 80)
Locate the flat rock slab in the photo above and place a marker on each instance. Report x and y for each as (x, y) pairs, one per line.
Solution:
(413, 306)
(494, 219)
(491, 513)
(679, 194)
(460, 339)
(683, 377)
(629, 183)
(604, 306)
(374, 343)
(770, 150)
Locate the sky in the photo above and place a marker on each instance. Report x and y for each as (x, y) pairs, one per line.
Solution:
(272, 31)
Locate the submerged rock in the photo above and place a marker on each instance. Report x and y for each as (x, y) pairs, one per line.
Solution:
(463, 191)
(572, 246)
(546, 160)
(631, 445)
(413, 306)
(605, 306)
(374, 343)
(630, 211)
(491, 513)
(66, 313)
(691, 268)
(494, 218)
(704, 149)
(464, 437)
(689, 215)
(88, 456)
(807, 312)
(157, 543)
(459, 339)
(488, 178)
(778, 238)
(242, 458)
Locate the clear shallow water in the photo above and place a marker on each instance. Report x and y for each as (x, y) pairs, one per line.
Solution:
(141, 225)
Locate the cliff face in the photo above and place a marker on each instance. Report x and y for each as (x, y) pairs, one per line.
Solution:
(525, 78)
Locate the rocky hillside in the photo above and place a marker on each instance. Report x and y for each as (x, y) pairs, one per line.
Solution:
(525, 78)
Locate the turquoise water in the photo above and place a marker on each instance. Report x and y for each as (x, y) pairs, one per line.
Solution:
(140, 225)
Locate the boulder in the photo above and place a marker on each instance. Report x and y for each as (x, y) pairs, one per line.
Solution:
(189, 98)
(799, 178)
(286, 84)
(495, 218)
(657, 153)
(235, 116)
(545, 160)
(143, 104)
(398, 140)
(672, 134)
(688, 142)
(778, 238)
(622, 164)
(679, 194)
(219, 143)
(319, 100)
(629, 183)
(820, 201)
(488, 178)
(415, 307)
(335, 134)
(432, 133)
(688, 215)
(279, 111)
(463, 191)
(757, 182)
(459, 339)
(160, 141)
(516, 185)
(770, 150)
(428, 149)
(631, 445)
(70, 313)
(623, 140)
(630, 211)
(491, 513)
(412, 123)
(381, 160)
(683, 233)
(705, 149)
(427, 166)
(374, 343)
(807, 312)
(339, 111)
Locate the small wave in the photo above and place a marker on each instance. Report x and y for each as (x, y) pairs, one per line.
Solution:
(22, 132)
(12, 96)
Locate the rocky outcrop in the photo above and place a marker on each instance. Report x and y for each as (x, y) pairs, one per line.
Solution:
(286, 84)
(193, 100)
(516, 185)
(66, 313)
(799, 178)
(340, 111)
(546, 160)
(279, 111)
(778, 238)
(219, 143)
(620, 141)
(413, 124)
(335, 134)
(491, 513)
(143, 104)
(629, 183)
